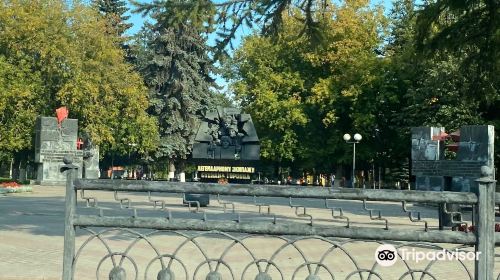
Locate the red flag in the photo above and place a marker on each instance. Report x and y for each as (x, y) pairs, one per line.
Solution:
(62, 114)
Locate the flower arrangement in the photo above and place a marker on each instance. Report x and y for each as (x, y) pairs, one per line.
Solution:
(473, 228)
(14, 187)
(222, 181)
(10, 185)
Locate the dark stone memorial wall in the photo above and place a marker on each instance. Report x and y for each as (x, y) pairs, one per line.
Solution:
(226, 134)
(433, 172)
(54, 141)
(226, 146)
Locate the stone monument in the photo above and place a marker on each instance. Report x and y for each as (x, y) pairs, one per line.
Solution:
(475, 148)
(434, 172)
(226, 134)
(225, 149)
(57, 137)
(90, 168)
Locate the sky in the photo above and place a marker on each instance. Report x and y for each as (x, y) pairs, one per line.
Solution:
(136, 19)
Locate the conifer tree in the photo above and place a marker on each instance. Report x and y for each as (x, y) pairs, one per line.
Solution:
(177, 71)
(114, 12)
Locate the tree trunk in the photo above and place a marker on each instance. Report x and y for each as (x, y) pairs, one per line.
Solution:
(171, 169)
(11, 167)
(277, 170)
(181, 166)
(340, 180)
(19, 166)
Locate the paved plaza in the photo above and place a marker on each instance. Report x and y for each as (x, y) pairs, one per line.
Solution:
(31, 239)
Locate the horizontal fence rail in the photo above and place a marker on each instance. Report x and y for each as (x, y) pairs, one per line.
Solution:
(281, 228)
(277, 191)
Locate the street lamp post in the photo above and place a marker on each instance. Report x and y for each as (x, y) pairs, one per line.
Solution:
(357, 138)
(131, 147)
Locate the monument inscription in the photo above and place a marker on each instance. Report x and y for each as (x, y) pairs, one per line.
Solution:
(53, 142)
(57, 137)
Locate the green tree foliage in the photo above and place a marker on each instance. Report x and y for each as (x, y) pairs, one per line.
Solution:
(139, 47)
(114, 13)
(176, 67)
(417, 90)
(17, 106)
(199, 14)
(470, 30)
(225, 18)
(56, 55)
(304, 96)
(433, 90)
(272, 93)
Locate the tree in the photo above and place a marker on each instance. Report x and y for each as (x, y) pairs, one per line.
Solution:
(225, 18)
(343, 98)
(17, 87)
(271, 92)
(434, 89)
(114, 13)
(53, 55)
(303, 95)
(418, 90)
(469, 29)
(177, 71)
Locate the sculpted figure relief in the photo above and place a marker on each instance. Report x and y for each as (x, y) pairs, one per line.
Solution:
(226, 133)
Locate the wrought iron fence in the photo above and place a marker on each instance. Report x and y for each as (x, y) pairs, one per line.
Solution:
(236, 242)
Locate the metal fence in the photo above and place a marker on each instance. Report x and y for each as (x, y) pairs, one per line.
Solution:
(285, 235)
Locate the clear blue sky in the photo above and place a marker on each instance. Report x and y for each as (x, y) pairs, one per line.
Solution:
(136, 19)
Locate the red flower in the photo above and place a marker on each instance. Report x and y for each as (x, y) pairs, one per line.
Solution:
(10, 185)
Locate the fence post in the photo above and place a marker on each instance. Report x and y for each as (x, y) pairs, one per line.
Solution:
(69, 229)
(485, 222)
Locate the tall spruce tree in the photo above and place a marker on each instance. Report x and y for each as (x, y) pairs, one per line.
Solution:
(177, 72)
(114, 12)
